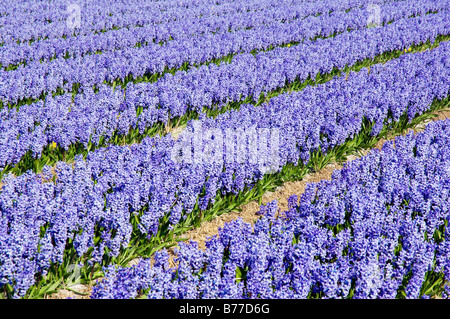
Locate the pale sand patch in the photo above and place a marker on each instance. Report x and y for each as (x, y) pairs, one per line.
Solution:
(177, 131)
(64, 293)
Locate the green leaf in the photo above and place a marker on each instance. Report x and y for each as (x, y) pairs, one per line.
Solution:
(47, 289)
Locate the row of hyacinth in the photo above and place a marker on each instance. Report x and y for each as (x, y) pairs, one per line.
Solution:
(35, 12)
(121, 188)
(375, 229)
(155, 59)
(52, 21)
(35, 78)
(152, 34)
(97, 16)
(94, 116)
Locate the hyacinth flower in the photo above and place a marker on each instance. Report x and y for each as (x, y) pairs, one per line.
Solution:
(218, 19)
(50, 22)
(96, 118)
(66, 75)
(159, 21)
(98, 203)
(378, 229)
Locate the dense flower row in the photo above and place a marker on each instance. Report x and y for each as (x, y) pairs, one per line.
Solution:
(35, 78)
(152, 34)
(93, 116)
(107, 190)
(363, 232)
(123, 14)
(104, 15)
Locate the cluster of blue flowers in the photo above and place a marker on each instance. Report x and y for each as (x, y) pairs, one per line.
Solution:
(217, 19)
(96, 115)
(24, 21)
(119, 184)
(377, 228)
(36, 78)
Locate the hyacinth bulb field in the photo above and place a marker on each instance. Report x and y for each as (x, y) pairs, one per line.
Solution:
(124, 125)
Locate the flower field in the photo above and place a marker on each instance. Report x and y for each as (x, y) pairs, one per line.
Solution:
(125, 124)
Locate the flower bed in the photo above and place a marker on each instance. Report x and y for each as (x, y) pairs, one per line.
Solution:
(378, 229)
